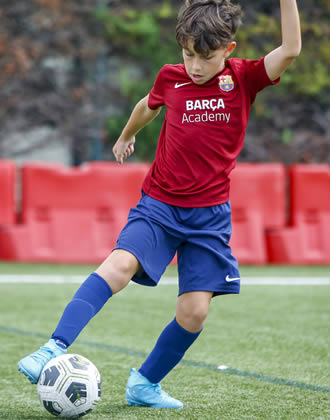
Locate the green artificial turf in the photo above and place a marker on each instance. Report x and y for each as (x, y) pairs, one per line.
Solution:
(246, 270)
(273, 339)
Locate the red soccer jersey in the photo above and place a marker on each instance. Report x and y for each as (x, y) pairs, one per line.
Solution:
(203, 131)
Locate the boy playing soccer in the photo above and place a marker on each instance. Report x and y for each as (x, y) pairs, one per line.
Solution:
(185, 201)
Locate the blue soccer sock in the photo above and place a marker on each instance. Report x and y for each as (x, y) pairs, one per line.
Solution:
(88, 300)
(170, 348)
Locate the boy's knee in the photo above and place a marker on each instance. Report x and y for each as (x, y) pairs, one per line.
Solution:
(198, 314)
(118, 269)
(192, 318)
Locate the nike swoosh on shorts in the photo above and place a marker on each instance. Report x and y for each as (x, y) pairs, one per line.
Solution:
(231, 279)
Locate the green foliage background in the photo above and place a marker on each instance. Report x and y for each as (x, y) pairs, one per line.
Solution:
(148, 36)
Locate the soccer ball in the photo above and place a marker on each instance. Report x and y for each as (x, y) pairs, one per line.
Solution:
(69, 386)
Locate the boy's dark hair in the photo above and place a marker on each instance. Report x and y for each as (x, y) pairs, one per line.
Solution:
(209, 24)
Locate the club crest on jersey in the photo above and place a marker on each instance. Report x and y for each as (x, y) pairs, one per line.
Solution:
(226, 83)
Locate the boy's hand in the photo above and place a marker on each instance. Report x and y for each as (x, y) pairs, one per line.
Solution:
(123, 149)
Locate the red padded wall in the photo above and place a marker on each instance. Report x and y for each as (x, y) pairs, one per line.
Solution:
(76, 214)
(72, 214)
(307, 240)
(7, 192)
(258, 203)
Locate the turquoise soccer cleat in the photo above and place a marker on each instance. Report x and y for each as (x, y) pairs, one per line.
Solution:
(32, 365)
(140, 391)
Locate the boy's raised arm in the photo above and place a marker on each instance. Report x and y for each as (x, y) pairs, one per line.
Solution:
(141, 116)
(277, 61)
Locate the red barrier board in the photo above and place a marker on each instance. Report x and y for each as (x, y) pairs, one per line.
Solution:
(7, 192)
(258, 203)
(307, 240)
(76, 214)
(72, 214)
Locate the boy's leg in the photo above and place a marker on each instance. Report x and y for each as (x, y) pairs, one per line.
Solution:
(174, 341)
(178, 336)
(112, 276)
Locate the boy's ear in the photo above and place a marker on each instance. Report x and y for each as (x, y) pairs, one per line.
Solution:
(230, 48)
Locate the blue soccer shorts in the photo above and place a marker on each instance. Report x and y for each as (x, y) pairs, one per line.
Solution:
(156, 230)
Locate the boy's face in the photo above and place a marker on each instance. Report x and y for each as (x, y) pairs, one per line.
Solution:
(202, 68)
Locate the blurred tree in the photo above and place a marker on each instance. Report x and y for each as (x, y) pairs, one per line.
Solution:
(49, 52)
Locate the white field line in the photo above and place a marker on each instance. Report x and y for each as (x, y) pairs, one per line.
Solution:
(245, 281)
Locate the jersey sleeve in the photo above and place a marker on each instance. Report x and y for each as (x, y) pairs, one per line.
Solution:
(256, 77)
(156, 95)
